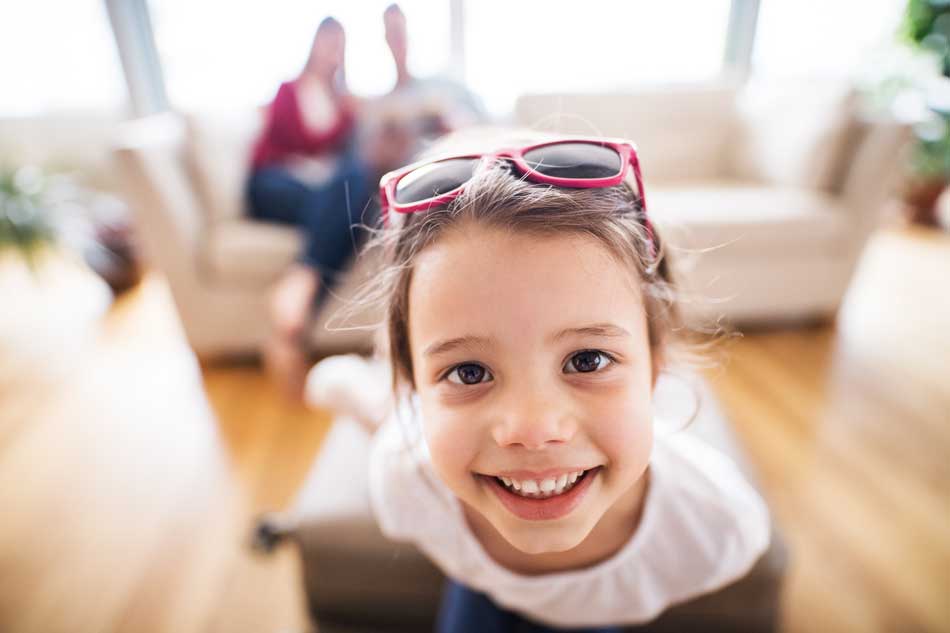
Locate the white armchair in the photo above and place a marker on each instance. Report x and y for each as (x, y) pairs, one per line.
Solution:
(184, 179)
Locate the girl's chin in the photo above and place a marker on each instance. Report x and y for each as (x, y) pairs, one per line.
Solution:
(531, 534)
(551, 540)
(528, 537)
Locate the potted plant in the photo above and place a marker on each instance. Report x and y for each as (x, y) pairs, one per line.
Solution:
(926, 28)
(50, 303)
(26, 228)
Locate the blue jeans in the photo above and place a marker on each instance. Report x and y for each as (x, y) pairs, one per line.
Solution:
(467, 611)
(330, 214)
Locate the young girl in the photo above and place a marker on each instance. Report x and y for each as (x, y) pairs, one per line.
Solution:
(529, 312)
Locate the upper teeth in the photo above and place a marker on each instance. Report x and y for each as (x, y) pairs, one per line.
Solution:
(542, 487)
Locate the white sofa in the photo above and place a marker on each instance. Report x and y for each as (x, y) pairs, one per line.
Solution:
(765, 196)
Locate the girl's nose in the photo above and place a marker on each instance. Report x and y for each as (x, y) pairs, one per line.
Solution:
(534, 423)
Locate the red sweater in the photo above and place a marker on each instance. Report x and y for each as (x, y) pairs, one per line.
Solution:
(285, 132)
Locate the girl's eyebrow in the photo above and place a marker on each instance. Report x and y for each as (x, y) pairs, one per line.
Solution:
(454, 343)
(596, 329)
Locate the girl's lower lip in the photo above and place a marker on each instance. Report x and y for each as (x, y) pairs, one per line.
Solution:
(542, 509)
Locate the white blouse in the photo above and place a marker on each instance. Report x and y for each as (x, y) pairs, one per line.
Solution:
(702, 527)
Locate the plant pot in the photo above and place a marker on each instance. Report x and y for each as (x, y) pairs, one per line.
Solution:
(921, 198)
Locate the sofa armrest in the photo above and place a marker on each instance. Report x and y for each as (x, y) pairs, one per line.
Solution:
(148, 156)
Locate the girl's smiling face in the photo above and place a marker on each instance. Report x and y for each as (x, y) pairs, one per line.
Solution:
(532, 363)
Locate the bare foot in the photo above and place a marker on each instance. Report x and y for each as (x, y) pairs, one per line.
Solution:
(291, 300)
(351, 385)
(286, 363)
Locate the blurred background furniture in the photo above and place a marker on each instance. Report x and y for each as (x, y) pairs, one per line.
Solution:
(766, 197)
(184, 178)
(358, 581)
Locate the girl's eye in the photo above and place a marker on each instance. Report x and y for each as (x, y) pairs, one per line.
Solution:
(587, 361)
(468, 374)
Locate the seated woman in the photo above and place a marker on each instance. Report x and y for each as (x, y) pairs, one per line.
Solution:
(305, 171)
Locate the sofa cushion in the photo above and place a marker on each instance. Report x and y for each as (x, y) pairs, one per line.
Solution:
(682, 132)
(217, 155)
(793, 134)
(249, 253)
(749, 219)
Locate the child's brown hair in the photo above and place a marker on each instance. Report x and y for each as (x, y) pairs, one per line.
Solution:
(498, 198)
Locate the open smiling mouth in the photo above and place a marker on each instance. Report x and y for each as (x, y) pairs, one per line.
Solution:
(543, 488)
(542, 499)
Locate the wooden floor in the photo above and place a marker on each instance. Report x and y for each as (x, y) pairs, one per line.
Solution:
(129, 476)
(850, 430)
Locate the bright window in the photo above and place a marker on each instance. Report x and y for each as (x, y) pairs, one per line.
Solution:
(221, 53)
(58, 56)
(820, 38)
(565, 45)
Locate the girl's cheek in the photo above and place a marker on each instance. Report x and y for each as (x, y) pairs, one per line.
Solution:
(622, 430)
(450, 443)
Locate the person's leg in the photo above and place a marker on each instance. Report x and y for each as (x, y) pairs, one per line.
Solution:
(467, 611)
(274, 195)
(327, 215)
(334, 216)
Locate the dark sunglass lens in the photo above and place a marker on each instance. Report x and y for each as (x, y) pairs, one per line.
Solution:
(574, 160)
(435, 179)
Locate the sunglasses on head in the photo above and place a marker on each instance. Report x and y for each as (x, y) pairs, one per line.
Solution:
(578, 163)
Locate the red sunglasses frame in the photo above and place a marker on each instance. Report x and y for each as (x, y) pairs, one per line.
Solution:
(625, 149)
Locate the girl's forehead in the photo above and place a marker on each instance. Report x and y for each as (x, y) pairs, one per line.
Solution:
(519, 283)
(498, 257)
